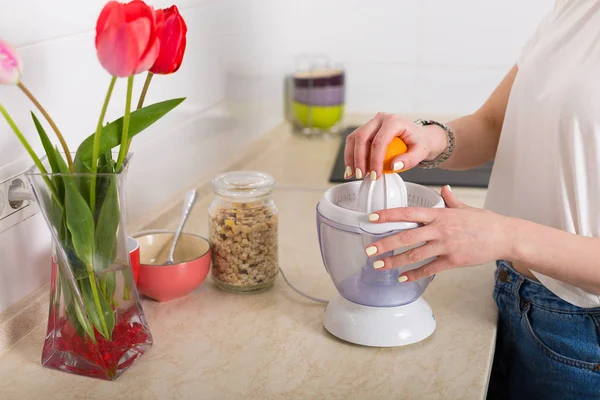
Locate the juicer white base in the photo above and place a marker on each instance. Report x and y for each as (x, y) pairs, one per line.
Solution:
(379, 326)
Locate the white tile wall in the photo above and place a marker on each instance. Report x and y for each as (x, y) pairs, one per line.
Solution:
(478, 33)
(397, 51)
(455, 90)
(402, 56)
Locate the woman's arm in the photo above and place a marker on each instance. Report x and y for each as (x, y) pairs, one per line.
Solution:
(561, 255)
(476, 138)
(463, 236)
(476, 135)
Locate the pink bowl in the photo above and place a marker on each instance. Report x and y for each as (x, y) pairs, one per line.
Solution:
(167, 282)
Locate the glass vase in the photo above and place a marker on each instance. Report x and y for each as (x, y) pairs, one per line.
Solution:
(96, 324)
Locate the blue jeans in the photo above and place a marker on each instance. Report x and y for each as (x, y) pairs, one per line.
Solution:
(546, 348)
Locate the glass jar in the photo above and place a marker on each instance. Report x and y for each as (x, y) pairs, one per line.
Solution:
(243, 226)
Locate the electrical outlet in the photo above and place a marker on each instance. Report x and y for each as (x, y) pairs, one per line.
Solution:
(14, 211)
(15, 185)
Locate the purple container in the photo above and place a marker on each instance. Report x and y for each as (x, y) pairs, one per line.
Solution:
(352, 272)
(320, 96)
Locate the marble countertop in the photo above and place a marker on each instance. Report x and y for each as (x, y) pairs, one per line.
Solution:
(272, 345)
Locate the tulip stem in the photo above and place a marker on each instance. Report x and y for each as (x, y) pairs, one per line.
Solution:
(96, 151)
(51, 122)
(145, 89)
(36, 160)
(125, 135)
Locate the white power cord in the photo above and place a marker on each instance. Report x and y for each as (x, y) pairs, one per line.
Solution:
(300, 292)
(20, 194)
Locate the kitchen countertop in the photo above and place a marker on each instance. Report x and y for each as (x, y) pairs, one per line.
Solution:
(272, 345)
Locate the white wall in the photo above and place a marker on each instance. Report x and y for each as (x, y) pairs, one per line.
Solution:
(439, 56)
(405, 55)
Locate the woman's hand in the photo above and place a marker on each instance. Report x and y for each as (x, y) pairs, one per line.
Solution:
(458, 236)
(373, 138)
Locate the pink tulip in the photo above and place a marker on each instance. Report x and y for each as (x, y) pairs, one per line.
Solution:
(127, 37)
(11, 66)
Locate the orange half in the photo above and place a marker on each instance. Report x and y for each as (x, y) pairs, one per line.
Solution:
(395, 148)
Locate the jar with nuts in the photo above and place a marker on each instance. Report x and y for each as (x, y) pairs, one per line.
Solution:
(243, 225)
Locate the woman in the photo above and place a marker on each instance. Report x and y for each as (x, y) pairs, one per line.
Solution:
(542, 220)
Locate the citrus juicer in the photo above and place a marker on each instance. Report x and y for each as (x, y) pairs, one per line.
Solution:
(372, 307)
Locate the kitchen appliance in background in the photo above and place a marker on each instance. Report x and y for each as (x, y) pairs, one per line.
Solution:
(374, 307)
(315, 97)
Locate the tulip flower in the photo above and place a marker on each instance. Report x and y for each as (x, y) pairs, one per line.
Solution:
(127, 37)
(172, 42)
(11, 66)
(127, 43)
(173, 32)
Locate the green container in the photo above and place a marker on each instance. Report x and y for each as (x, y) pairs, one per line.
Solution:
(321, 117)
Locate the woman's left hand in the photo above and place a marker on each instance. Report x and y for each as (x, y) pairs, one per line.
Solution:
(458, 236)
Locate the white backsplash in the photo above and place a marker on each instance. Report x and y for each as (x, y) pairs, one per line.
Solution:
(407, 56)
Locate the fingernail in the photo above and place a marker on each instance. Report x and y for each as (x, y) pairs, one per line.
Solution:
(402, 278)
(398, 166)
(348, 172)
(359, 174)
(373, 176)
(448, 187)
(373, 217)
(371, 250)
(378, 264)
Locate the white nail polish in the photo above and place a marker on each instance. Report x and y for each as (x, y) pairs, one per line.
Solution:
(359, 174)
(373, 217)
(402, 278)
(373, 176)
(371, 250)
(398, 166)
(449, 188)
(378, 264)
(348, 172)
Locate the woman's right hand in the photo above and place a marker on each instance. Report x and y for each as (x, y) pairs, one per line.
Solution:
(424, 143)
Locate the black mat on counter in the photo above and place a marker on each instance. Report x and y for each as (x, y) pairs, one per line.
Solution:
(478, 177)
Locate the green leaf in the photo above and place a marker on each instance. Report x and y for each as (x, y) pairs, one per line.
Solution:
(96, 315)
(80, 223)
(50, 154)
(53, 210)
(72, 316)
(82, 167)
(128, 283)
(76, 315)
(106, 165)
(79, 216)
(139, 120)
(83, 181)
(111, 287)
(47, 144)
(106, 229)
(63, 232)
(77, 318)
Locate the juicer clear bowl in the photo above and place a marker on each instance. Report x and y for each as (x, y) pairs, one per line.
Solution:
(345, 233)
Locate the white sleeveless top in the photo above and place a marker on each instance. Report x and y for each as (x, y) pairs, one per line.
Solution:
(547, 167)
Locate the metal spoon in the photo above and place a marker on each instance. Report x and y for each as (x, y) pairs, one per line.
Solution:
(188, 204)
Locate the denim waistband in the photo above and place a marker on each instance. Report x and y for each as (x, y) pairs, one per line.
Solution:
(526, 289)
